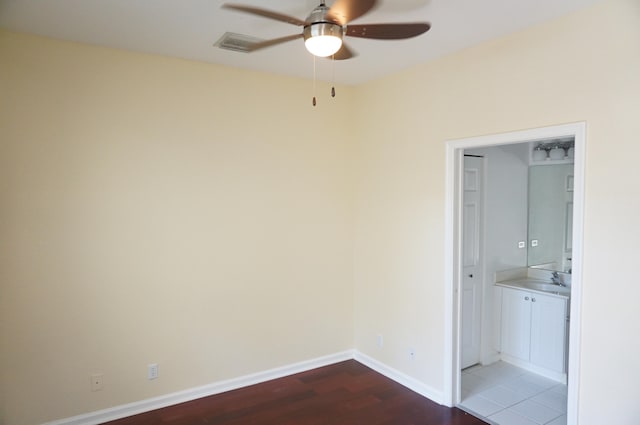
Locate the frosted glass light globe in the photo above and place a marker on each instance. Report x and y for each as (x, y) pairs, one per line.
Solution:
(556, 153)
(539, 154)
(323, 45)
(323, 38)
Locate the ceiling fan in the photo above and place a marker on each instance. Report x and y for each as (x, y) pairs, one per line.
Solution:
(325, 27)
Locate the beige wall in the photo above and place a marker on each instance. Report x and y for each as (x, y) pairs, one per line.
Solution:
(159, 210)
(584, 67)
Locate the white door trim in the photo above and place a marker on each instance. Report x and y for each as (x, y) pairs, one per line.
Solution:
(453, 246)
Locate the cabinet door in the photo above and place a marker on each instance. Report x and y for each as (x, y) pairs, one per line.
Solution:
(548, 328)
(516, 323)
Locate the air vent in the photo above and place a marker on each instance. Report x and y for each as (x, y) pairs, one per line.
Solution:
(236, 42)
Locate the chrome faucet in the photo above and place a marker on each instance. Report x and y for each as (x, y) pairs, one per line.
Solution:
(555, 279)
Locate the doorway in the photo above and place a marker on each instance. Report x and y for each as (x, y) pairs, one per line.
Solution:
(454, 246)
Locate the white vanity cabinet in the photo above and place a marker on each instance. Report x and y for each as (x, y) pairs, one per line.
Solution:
(533, 331)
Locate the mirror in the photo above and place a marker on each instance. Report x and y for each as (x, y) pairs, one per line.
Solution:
(550, 216)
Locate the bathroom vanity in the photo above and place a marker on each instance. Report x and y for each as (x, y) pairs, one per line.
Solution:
(533, 322)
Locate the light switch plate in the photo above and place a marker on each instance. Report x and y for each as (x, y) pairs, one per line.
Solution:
(152, 371)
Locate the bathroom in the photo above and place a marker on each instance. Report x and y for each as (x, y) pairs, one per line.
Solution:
(516, 279)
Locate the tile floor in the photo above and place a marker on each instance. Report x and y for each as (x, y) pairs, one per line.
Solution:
(507, 395)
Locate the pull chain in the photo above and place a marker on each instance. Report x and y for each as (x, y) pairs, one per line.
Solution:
(314, 81)
(333, 76)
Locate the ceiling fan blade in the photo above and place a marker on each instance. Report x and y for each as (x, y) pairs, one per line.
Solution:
(345, 11)
(265, 13)
(273, 42)
(344, 53)
(388, 31)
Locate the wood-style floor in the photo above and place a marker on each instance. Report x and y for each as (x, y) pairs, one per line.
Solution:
(346, 393)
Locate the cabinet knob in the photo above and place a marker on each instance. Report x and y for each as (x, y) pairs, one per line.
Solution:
(533, 300)
(526, 298)
(471, 275)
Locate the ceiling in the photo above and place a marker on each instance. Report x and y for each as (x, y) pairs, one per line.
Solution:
(189, 28)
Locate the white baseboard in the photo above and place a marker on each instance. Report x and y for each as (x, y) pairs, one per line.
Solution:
(553, 375)
(401, 378)
(147, 405)
(490, 358)
(125, 410)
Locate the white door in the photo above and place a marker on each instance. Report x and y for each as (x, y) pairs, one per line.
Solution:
(471, 310)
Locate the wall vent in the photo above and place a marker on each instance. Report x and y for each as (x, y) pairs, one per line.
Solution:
(236, 42)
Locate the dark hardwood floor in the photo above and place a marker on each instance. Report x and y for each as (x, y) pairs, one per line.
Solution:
(346, 393)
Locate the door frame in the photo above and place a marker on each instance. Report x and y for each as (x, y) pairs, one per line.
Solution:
(453, 249)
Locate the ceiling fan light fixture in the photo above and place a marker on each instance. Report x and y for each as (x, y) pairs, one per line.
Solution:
(323, 38)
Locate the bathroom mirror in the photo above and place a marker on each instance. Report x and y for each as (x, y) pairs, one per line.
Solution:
(550, 216)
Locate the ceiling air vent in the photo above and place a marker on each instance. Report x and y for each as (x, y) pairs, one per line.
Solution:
(236, 42)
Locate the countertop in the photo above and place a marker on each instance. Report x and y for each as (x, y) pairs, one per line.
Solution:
(537, 286)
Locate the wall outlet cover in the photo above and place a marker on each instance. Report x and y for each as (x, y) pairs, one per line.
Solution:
(96, 381)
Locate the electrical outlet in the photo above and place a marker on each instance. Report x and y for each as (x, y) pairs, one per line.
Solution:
(152, 371)
(96, 381)
(380, 340)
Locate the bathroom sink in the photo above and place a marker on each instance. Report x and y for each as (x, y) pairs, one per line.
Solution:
(547, 287)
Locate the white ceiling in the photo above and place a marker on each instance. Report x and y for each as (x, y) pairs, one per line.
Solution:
(189, 28)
